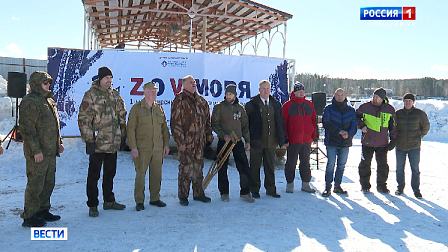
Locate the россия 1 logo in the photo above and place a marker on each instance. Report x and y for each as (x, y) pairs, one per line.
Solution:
(387, 13)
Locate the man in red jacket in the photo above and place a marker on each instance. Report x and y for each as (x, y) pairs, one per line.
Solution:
(300, 121)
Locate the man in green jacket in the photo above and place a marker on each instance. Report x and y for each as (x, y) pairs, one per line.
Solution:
(229, 116)
(42, 142)
(413, 125)
(148, 139)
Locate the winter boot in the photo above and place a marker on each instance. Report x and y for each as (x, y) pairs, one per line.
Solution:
(382, 189)
(290, 187)
(93, 212)
(399, 191)
(113, 205)
(339, 190)
(256, 195)
(417, 194)
(183, 201)
(47, 216)
(34, 221)
(327, 192)
(307, 188)
(273, 194)
(158, 203)
(203, 198)
(225, 197)
(139, 207)
(247, 197)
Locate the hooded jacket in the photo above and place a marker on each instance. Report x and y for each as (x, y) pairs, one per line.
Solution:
(381, 122)
(97, 120)
(337, 117)
(300, 120)
(39, 120)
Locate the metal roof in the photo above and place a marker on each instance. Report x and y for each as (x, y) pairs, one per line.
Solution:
(165, 24)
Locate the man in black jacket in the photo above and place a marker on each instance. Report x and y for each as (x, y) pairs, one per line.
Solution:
(267, 131)
(412, 125)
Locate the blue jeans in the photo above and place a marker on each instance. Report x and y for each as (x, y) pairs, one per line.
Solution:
(414, 160)
(341, 153)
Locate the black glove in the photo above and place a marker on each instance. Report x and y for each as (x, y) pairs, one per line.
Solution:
(209, 153)
(123, 144)
(391, 144)
(90, 148)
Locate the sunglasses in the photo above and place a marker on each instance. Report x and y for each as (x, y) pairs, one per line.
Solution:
(47, 82)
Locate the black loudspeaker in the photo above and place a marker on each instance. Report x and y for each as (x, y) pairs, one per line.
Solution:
(319, 102)
(16, 84)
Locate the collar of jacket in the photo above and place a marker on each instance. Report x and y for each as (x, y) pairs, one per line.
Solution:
(344, 103)
(96, 84)
(258, 98)
(236, 101)
(43, 93)
(144, 104)
(377, 107)
(194, 95)
(408, 111)
(296, 99)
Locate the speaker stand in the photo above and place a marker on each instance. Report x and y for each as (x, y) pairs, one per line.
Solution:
(14, 133)
(317, 149)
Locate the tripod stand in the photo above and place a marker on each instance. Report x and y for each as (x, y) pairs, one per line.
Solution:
(14, 133)
(317, 149)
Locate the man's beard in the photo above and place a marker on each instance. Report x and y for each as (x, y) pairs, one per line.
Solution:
(230, 101)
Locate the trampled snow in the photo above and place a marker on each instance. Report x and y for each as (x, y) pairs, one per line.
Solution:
(295, 222)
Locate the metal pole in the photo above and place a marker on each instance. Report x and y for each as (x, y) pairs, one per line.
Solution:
(284, 43)
(84, 34)
(191, 30)
(204, 34)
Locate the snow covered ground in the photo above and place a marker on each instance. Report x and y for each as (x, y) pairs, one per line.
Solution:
(295, 222)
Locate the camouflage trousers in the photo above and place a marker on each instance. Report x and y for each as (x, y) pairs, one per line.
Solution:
(153, 160)
(40, 184)
(190, 172)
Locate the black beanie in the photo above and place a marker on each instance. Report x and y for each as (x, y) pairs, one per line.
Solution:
(409, 96)
(231, 89)
(380, 92)
(103, 72)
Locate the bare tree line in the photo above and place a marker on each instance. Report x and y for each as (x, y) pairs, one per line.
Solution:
(427, 86)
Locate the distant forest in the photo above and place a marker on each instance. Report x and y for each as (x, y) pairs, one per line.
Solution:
(427, 87)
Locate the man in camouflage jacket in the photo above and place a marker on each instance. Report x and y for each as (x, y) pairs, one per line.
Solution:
(148, 139)
(229, 116)
(191, 129)
(102, 123)
(42, 142)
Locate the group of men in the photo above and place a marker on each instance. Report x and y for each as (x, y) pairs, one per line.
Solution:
(383, 129)
(263, 123)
